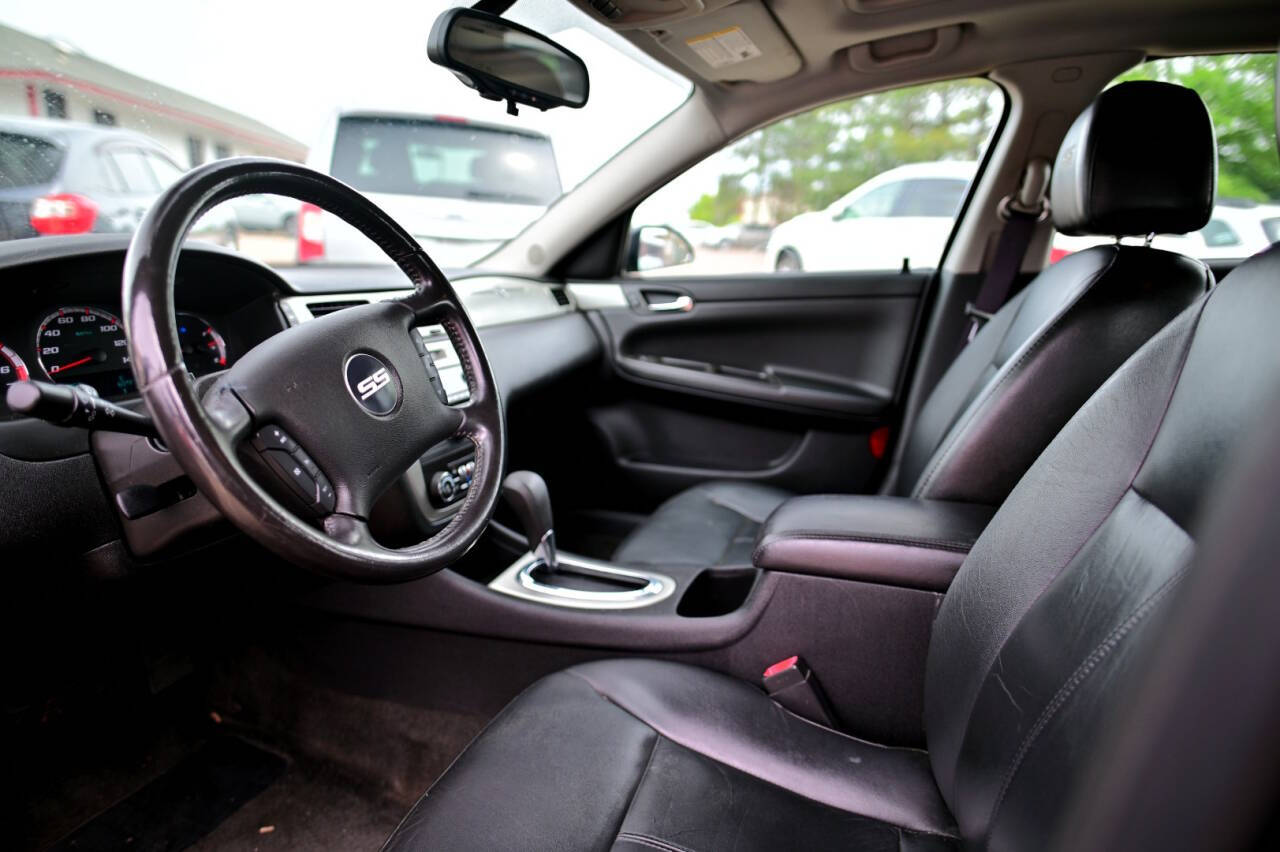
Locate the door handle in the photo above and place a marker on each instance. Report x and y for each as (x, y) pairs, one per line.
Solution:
(679, 303)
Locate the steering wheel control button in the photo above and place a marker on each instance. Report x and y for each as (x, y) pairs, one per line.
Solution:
(305, 460)
(295, 470)
(274, 438)
(291, 472)
(429, 364)
(372, 384)
(416, 336)
(325, 500)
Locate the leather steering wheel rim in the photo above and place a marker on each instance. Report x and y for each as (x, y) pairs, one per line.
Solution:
(297, 379)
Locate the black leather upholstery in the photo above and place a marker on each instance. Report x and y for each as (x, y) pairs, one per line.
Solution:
(710, 524)
(918, 544)
(1140, 159)
(1032, 645)
(1206, 695)
(1045, 352)
(1033, 366)
(1035, 634)
(1100, 530)
(649, 755)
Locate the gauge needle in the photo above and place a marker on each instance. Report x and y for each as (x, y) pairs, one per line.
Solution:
(85, 360)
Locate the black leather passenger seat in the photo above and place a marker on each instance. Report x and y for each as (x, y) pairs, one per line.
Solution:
(1031, 654)
(1141, 159)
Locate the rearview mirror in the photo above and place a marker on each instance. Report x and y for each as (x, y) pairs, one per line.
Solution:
(504, 61)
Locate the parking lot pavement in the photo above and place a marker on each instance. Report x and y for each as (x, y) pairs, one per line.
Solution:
(715, 261)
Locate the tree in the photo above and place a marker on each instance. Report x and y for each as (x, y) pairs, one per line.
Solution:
(721, 208)
(808, 161)
(1239, 92)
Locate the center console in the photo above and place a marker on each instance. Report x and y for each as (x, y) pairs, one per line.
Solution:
(845, 582)
(547, 576)
(895, 541)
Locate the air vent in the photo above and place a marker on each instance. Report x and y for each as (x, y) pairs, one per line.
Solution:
(561, 297)
(319, 309)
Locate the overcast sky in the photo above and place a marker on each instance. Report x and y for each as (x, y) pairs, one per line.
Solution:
(290, 63)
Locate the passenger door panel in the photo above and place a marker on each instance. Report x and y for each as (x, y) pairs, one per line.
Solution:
(773, 378)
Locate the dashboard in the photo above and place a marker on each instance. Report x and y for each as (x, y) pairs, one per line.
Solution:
(106, 496)
(62, 324)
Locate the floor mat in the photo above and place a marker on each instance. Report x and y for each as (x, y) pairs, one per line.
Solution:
(312, 808)
(184, 804)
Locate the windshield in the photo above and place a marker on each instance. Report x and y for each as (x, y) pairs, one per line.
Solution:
(103, 105)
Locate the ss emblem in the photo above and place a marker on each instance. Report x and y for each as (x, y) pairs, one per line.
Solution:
(371, 384)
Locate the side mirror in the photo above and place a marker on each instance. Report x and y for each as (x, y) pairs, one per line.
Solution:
(657, 247)
(504, 61)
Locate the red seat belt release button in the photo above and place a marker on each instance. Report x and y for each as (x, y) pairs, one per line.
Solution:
(793, 684)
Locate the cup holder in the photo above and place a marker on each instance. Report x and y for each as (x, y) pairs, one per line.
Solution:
(717, 591)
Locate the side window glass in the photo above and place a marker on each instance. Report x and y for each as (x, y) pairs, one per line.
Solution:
(134, 171)
(875, 204)
(1239, 91)
(107, 174)
(1271, 227)
(1218, 234)
(931, 197)
(166, 172)
(823, 191)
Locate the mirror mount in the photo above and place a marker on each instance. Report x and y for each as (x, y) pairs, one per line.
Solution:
(493, 7)
(504, 61)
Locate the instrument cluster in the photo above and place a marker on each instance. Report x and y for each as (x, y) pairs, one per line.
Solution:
(86, 345)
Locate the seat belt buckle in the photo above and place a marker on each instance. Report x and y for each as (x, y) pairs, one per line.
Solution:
(791, 683)
(972, 311)
(977, 319)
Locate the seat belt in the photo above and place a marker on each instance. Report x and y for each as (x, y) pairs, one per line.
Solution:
(1021, 213)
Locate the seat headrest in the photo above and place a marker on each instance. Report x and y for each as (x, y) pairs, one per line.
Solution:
(1140, 159)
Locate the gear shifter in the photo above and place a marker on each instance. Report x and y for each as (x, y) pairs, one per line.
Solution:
(526, 493)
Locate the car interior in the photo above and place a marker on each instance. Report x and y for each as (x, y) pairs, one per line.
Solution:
(548, 552)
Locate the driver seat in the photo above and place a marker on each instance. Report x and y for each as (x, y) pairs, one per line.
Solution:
(1033, 650)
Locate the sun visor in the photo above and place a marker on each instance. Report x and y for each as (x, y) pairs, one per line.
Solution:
(741, 42)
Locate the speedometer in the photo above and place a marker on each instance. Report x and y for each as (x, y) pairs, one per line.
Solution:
(203, 349)
(11, 370)
(86, 346)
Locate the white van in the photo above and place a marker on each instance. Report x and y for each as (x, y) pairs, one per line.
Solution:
(460, 187)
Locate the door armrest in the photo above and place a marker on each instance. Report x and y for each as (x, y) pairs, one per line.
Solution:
(893, 541)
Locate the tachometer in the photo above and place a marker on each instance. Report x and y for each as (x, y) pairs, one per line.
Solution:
(12, 369)
(86, 346)
(203, 349)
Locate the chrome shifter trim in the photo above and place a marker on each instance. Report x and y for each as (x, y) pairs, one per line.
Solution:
(546, 550)
(518, 581)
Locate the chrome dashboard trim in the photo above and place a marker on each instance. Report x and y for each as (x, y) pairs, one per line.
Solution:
(489, 300)
(595, 297)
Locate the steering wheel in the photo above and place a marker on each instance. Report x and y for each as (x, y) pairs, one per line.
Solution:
(350, 390)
